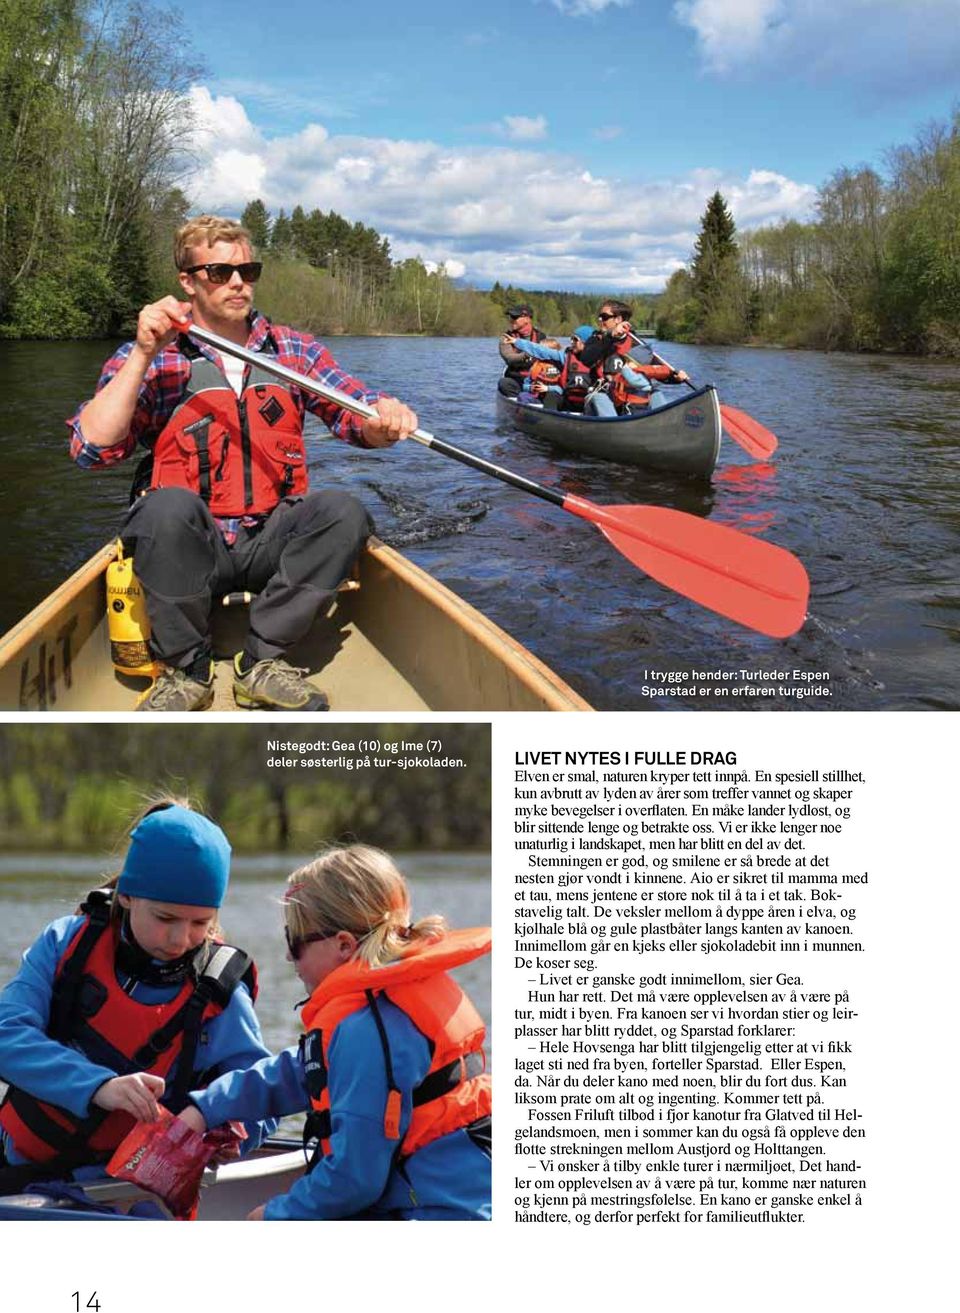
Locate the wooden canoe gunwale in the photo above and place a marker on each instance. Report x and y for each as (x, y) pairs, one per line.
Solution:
(492, 671)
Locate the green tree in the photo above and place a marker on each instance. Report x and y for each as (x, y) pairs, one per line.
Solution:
(715, 275)
(921, 277)
(281, 235)
(256, 219)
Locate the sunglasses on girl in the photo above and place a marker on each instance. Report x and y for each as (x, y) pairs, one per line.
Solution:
(219, 274)
(297, 943)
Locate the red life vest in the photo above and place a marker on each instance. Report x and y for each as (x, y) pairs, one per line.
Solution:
(456, 1092)
(243, 454)
(91, 1012)
(576, 379)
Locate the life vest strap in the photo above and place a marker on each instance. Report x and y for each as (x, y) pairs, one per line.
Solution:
(391, 1113)
(316, 1133)
(70, 1143)
(199, 431)
(447, 1078)
(97, 908)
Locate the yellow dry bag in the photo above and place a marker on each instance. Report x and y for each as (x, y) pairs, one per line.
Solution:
(127, 622)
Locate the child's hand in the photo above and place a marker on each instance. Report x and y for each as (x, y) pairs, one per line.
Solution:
(194, 1118)
(257, 1214)
(136, 1094)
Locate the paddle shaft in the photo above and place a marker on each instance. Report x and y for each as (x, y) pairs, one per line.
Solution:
(656, 355)
(754, 583)
(272, 366)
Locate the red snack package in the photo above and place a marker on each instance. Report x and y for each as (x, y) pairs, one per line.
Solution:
(168, 1158)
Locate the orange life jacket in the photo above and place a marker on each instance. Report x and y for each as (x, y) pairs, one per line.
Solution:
(91, 1012)
(545, 371)
(623, 393)
(243, 454)
(456, 1091)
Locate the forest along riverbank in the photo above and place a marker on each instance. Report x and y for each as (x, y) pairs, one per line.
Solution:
(863, 489)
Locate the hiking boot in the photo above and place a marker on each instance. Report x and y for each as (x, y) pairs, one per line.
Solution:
(174, 690)
(276, 686)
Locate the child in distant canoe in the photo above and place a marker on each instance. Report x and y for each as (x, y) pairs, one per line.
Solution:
(543, 380)
(130, 1003)
(576, 383)
(390, 1068)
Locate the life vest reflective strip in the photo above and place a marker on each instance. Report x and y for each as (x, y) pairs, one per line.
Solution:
(243, 454)
(456, 1091)
(521, 371)
(91, 1012)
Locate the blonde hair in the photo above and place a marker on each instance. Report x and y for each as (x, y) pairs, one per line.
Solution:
(206, 230)
(357, 888)
(154, 803)
(551, 342)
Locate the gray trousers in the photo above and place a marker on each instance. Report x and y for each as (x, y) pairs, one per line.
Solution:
(293, 561)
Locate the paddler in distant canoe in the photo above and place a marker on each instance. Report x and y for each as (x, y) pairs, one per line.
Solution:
(225, 502)
(125, 1005)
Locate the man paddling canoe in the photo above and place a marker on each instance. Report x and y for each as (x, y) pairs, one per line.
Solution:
(223, 500)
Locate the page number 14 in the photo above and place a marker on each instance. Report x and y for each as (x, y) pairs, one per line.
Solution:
(92, 1303)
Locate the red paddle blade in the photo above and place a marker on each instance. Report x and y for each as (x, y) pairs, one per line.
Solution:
(756, 583)
(750, 433)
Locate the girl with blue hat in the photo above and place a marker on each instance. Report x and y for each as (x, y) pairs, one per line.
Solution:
(128, 1004)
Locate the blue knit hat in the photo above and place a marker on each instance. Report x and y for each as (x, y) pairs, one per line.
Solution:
(177, 856)
(584, 332)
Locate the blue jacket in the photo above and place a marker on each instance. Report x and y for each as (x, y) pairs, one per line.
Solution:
(540, 352)
(64, 1076)
(447, 1179)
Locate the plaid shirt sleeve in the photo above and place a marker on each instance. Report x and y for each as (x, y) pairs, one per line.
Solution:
(305, 354)
(161, 388)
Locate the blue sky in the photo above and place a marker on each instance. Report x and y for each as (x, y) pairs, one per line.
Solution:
(559, 143)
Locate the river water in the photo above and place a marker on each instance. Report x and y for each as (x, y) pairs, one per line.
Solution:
(864, 489)
(36, 889)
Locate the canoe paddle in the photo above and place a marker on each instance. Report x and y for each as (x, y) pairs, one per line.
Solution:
(756, 440)
(756, 583)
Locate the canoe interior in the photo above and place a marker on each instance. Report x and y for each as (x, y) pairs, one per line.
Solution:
(681, 437)
(398, 642)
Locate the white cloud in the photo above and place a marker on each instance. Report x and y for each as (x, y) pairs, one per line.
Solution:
(535, 218)
(453, 268)
(518, 127)
(887, 46)
(729, 32)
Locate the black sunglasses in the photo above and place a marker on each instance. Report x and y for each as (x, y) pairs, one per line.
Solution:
(297, 943)
(218, 274)
(603, 318)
